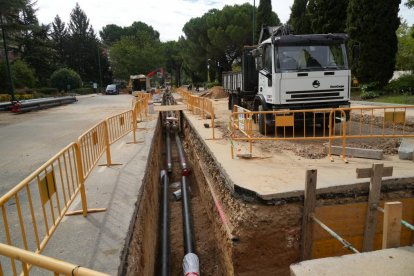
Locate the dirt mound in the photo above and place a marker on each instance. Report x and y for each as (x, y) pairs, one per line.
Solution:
(216, 92)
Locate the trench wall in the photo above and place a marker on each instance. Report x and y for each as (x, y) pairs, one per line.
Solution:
(140, 252)
(269, 232)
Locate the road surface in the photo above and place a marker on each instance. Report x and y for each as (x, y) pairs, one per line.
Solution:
(28, 140)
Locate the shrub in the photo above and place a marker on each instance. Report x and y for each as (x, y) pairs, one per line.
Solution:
(23, 75)
(5, 98)
(404, 84)
(212, 84)
(47, 90)
(65, 79)
(84, 91)
(369, 90)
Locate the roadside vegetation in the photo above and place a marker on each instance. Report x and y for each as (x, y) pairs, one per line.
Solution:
(212, 43)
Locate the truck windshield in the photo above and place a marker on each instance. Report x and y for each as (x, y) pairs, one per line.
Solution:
(311, 58)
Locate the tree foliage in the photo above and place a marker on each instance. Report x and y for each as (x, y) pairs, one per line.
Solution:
(23, 75)
(139, 51)
(405, 54)
(327, 16)
(299, 18)
(65, 79)
(377, 39)
(216, 39)
(265, 16)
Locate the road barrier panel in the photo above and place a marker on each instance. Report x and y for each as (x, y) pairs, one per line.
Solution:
(39, 202)
(338, 124)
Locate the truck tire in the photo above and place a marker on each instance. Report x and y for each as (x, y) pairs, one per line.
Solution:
(264, 129)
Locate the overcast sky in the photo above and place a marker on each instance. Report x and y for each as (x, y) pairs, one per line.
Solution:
(166, 16)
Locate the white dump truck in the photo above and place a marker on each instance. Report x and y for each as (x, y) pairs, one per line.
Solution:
(292, 72)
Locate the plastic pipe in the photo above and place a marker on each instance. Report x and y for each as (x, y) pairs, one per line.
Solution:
(165, 227)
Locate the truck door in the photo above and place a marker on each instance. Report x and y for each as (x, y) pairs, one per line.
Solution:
(268, 80)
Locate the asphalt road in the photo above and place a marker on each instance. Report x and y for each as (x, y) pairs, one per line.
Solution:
(30, 139)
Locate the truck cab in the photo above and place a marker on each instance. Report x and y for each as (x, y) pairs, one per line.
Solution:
(303, 72)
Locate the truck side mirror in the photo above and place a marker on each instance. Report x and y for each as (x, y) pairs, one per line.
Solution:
(259, 63)
(355, 51)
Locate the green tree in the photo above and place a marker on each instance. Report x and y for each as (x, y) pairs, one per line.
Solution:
(23, 75)
(138, 52)
(59, 36)
(82, 47)
(327, 16)
(377, 39)
(405, 54)
(265, 16)
(65, 79)
(216, 39)
(111, 33)
(410, 3)
(299, 18)
(173, 60)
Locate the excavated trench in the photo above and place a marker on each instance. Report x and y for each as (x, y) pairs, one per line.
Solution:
(235, 232)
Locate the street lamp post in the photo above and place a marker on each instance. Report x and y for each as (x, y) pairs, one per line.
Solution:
(13, 98)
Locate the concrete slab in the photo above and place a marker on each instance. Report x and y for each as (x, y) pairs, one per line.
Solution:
(97, 241)
(282, 175)
(388, 262)
(406, 149)
(357, 152)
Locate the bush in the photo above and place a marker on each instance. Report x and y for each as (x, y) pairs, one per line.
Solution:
(24, 96)
(47, 90)
(212, 84)
(65, 79)
(5, 98)
(23, 75)
(84, 91)
(404, 84)
(370, 90)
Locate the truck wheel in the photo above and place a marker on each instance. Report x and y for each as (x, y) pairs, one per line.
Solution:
(264, 129)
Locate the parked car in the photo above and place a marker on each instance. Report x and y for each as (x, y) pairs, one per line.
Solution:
(112, 89)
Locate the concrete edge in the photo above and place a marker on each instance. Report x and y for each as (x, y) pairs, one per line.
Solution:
(125, 251)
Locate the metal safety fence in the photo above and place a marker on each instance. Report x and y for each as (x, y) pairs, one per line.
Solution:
(199, 106)
(339, 124)
(33, 209)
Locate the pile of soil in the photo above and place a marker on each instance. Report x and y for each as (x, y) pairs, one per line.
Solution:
(216, 92)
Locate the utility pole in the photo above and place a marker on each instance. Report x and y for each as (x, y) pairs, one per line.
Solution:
(3, 29)
(254, 20)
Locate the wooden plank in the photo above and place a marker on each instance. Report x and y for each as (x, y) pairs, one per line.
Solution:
(373, 201)
(366, 172)
(391, 233)
(308, 209)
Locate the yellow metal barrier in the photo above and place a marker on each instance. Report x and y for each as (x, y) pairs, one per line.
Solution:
(334, 124)
(29, 259)
(39, 202)
(120, 125)
(92, 144)
(198, 105)
(33, 219)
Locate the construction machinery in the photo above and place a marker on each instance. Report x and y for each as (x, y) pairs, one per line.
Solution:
(291, 72)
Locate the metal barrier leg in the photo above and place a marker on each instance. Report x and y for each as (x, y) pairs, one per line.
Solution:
(108, 148)
(82, 190)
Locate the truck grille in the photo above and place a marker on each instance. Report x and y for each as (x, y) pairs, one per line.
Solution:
(314, 95)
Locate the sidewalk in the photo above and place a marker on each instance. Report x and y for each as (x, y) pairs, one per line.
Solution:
(97, 241)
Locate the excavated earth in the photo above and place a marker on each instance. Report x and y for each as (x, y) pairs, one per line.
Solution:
(257, 237)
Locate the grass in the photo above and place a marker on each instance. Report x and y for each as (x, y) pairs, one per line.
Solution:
(395, 99)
